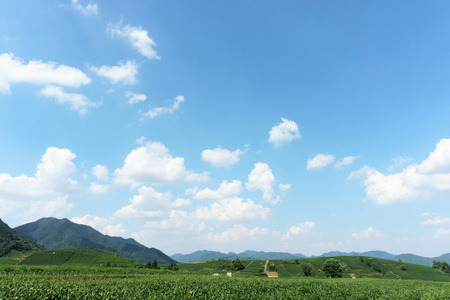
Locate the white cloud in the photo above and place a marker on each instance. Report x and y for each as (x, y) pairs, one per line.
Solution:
(221, 157)
(306, 229)
(232, 209)
(399, 162)
(438, 162)
(153, 163)
(284, 187)
(261, 178)
(134, 98)
(179, 222)
(104, 225)
(45, 193)
(226, 190)
(363, 172)
(430, 178)
(13, 71)
(124, 72)
(180, 202)
(319, 161)
(369, 233)
(166, 109)
(87, 10)
(237, 233)
(77, 102)
(436, 221)
(147, 204)
(98, 189)
(100, 172)
(348, 160)
(286, 131)
(137, 37)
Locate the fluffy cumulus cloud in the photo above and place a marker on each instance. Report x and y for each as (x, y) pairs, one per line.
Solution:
(13, 71)
(152, 113)
(306, 229)
(430, 178)
(221, 157)
(261, 178)
(232, 209)
(286, 131)
(87, 10)
(153, 164)
(77, 102)
(45, 193)
(137, 37)
(179, 222)
(369, 233)
(238, 233)
(226, 190)
(100, 172)
(346, 161)
(147, 204)
(124, 72)
(104, 225)
(319, 161)
(181, 202)
(135, 98)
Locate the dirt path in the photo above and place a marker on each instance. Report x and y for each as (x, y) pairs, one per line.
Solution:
(270, 274)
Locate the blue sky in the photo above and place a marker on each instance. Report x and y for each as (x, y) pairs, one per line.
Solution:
(298, 126)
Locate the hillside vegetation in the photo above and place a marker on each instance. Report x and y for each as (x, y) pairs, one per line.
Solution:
(357, 267)
(55, 233)
(12, 243)
(86, 257)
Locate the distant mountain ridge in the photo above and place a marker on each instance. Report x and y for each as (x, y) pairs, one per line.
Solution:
(13, 242)
(205, 255)
(55, 233)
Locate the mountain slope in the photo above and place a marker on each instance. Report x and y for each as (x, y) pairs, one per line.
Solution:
(55, 233)
(12, 242)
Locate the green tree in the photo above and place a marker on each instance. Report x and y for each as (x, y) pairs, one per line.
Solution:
(332, 268)
(307, 269)
(155, 265)
(173, 266)
(237, 264)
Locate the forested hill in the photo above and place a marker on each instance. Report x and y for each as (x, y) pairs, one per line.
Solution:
(55, 233)
(12, 242)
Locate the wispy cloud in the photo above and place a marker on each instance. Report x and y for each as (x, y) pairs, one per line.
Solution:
(137, 37)
(152, 113)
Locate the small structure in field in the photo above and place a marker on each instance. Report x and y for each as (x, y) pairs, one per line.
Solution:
(229, 274)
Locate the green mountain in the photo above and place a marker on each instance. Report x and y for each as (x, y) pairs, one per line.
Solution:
(78, 257)
(12, 243)
(205, 255)
(55, 233)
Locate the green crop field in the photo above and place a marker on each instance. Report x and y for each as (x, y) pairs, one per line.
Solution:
(83, 273)
(56, 282)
